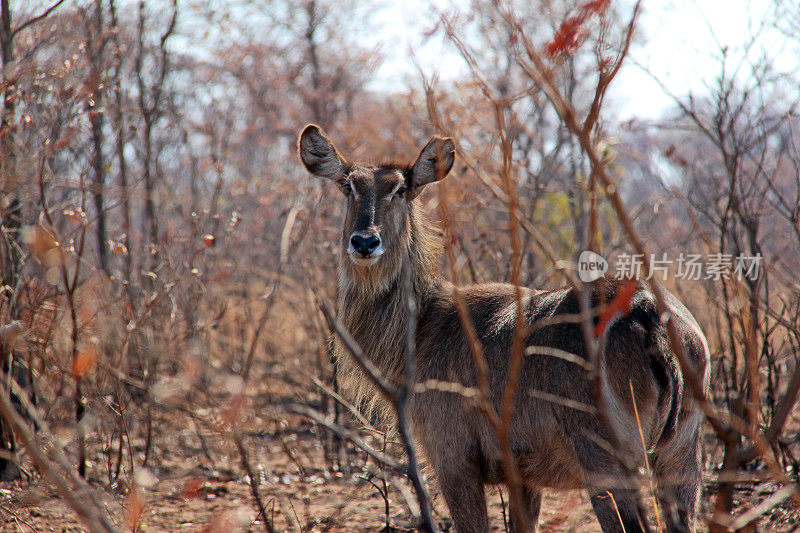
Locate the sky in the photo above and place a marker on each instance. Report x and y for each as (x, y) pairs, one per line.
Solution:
(680, 44)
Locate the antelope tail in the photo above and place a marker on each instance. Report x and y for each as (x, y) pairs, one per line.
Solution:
(665, 365)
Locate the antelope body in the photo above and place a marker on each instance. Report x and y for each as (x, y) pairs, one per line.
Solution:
(556, 444)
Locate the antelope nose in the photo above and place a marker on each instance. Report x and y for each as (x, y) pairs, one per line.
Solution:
(364, 245)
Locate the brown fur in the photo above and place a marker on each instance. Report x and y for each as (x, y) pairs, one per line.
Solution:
(555, 446)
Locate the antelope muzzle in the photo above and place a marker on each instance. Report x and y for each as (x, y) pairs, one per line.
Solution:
(365, 248)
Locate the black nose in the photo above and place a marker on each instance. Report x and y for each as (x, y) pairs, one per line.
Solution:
(364, 245)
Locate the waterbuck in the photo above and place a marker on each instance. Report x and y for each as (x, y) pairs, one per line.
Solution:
(556, 436)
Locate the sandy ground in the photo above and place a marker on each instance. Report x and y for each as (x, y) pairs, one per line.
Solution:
(196, 482)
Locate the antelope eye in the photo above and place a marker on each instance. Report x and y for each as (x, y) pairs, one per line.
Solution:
(347, 188)
(401, 191)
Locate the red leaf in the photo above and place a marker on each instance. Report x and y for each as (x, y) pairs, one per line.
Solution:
(567, 37)
(134, 508)
(222, 274)
(570, 33)
(84, 361)
(597, 7)
(191, 489)
(620, 305)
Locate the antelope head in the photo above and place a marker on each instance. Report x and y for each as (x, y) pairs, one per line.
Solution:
(376, 229)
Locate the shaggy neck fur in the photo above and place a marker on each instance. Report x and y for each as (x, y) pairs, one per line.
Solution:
(371, 303)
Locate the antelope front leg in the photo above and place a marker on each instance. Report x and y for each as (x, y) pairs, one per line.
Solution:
(462, 488)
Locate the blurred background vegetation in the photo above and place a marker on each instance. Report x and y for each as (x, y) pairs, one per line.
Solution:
(164, 255)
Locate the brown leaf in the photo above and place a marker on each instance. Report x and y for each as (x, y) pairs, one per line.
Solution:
(117, 247)
(222, 522)
(232, 412)
(43, 244)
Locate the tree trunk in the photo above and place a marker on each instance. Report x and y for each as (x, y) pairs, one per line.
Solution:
(120, 150)
(97, 42)
(10, 219)
(9, 257)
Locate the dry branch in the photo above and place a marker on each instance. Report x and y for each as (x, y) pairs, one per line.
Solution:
(397, 397)
(56, 468)
(534, 65)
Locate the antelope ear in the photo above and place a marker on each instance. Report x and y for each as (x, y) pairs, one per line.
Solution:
(319, 155)
(434, 162)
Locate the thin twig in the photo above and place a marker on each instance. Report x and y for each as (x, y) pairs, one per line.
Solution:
(33, 20)
(401, 401)
(254, 483)
(346, 434)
